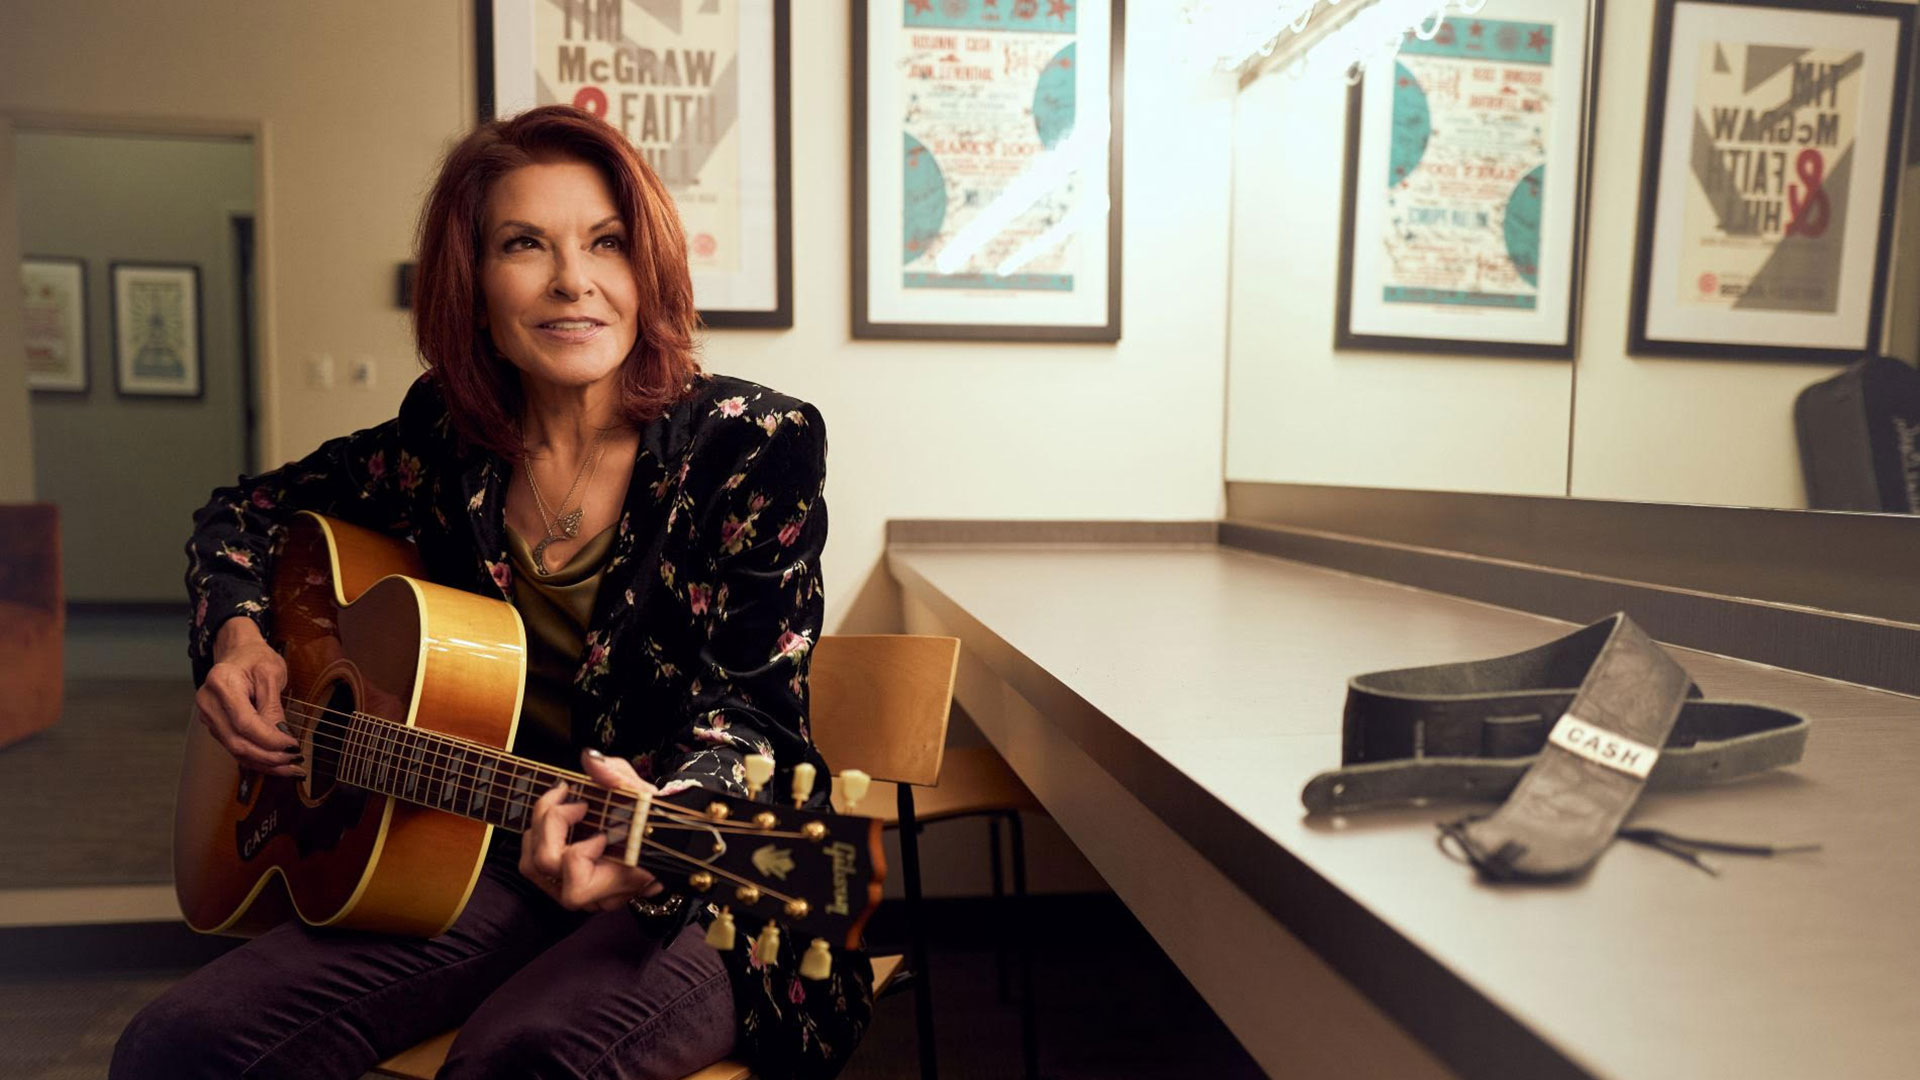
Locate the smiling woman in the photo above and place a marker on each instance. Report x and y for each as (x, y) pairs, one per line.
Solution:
(669, 605)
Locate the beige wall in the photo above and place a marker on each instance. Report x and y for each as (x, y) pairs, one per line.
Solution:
(16, 422)
(354, 100)
(118, 198)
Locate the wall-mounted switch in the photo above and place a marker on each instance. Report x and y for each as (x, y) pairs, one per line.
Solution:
(361, 374)
(320, 371)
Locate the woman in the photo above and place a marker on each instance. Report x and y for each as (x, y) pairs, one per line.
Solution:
(659, 530)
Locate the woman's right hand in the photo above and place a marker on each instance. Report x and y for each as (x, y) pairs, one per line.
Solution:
(240, 701)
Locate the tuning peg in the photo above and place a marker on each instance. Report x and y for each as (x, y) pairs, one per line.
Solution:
(720, 934)
(766, 947)
(803, 775)
(818, 963)
(853, 787)
(759, 771)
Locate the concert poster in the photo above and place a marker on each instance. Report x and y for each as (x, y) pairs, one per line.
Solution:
(994, 116)
(1463, 196)
(53, 307)
(1771, 160)
(699, 88)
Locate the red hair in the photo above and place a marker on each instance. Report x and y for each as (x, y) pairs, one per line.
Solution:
(482, 389)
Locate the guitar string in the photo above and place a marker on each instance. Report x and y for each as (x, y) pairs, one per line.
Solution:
(438, 754)
(662, 851)
(387, 733)
(456, 782)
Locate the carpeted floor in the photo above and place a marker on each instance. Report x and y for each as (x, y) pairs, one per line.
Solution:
(91, 798)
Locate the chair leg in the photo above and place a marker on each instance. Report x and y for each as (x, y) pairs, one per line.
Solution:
(1001, 976)
(1029, 1027)
(917, 945)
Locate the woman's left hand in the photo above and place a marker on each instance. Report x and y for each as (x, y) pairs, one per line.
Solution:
(574, 874)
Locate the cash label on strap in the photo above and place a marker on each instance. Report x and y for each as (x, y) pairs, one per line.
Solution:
(1603, 747)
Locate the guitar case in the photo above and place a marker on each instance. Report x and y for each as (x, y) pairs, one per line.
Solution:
(1859, 438)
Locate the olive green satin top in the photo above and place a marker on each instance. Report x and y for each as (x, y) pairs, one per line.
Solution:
(556, 609)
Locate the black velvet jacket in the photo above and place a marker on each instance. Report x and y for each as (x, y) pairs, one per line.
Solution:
(699, 646)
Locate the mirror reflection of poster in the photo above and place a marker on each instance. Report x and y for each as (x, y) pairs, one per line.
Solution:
(156, 329)
(986, 175)
(1465, 182)
(699, 87)
(1770, 160)
(54, 317)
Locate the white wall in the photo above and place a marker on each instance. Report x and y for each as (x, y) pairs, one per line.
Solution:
(356, 99)
(1131, 430)
(1642, 428)
(1660, 429)
(1301, 412)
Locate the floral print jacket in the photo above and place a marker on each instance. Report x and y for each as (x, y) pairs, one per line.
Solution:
(699, 645)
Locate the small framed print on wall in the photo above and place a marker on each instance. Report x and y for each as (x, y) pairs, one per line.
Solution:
(1466, 175)
(156, 329)
(54, 310)
(986, 169)
(700, 88)
(1770, 174)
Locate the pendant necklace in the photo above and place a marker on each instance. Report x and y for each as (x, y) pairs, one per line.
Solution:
(567, 525)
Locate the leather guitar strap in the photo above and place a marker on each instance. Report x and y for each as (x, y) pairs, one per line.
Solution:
(1568, 806)
(1570, 732)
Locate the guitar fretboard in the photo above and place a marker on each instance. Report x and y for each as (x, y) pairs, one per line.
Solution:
(468, 779)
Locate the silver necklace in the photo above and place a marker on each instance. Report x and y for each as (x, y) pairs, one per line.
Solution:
(567, 525)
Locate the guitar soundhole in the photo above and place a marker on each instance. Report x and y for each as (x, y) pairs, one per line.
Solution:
(327, 733)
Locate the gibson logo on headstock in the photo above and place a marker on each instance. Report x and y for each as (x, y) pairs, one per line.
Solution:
(846, 860)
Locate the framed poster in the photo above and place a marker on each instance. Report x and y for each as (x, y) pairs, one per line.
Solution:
(1466, 170)
(700, 87)
(1769, 179)
(156, 329)
(54, 314)
(986, 169)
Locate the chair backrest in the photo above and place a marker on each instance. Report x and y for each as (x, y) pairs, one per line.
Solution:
(880, 703)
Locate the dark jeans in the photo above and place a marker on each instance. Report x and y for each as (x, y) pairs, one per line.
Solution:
(541, 992)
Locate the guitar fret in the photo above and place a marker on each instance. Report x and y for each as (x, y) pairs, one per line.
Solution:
(519, 803)
(415, 759)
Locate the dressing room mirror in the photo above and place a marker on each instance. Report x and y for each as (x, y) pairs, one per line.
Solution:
(1385, 368)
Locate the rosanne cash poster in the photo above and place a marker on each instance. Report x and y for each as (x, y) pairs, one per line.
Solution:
(1770, 161)
(700, 88)
(986, 174)
(1465, 180)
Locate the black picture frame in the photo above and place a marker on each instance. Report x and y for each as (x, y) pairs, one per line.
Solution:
(1640, 341)
(191, 384)
(865, 325)
(778, 315)
(1347, 338)
(85, 365)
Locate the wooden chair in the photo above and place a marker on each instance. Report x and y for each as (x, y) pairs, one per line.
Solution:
(879, 704)
(33, 616)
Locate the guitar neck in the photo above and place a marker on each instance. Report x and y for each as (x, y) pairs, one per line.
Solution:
(469, 779)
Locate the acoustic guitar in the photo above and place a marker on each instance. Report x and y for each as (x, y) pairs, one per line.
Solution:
(403, 696)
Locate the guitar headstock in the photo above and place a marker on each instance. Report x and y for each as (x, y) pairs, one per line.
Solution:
(817, 874)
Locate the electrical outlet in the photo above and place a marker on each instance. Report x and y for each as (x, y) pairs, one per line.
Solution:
(320, 371)
(361, 374)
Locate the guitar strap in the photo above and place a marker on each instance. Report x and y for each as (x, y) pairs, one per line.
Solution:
(1568, 733)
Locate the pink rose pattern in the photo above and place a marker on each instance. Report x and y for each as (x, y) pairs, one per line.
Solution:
(698, 649)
